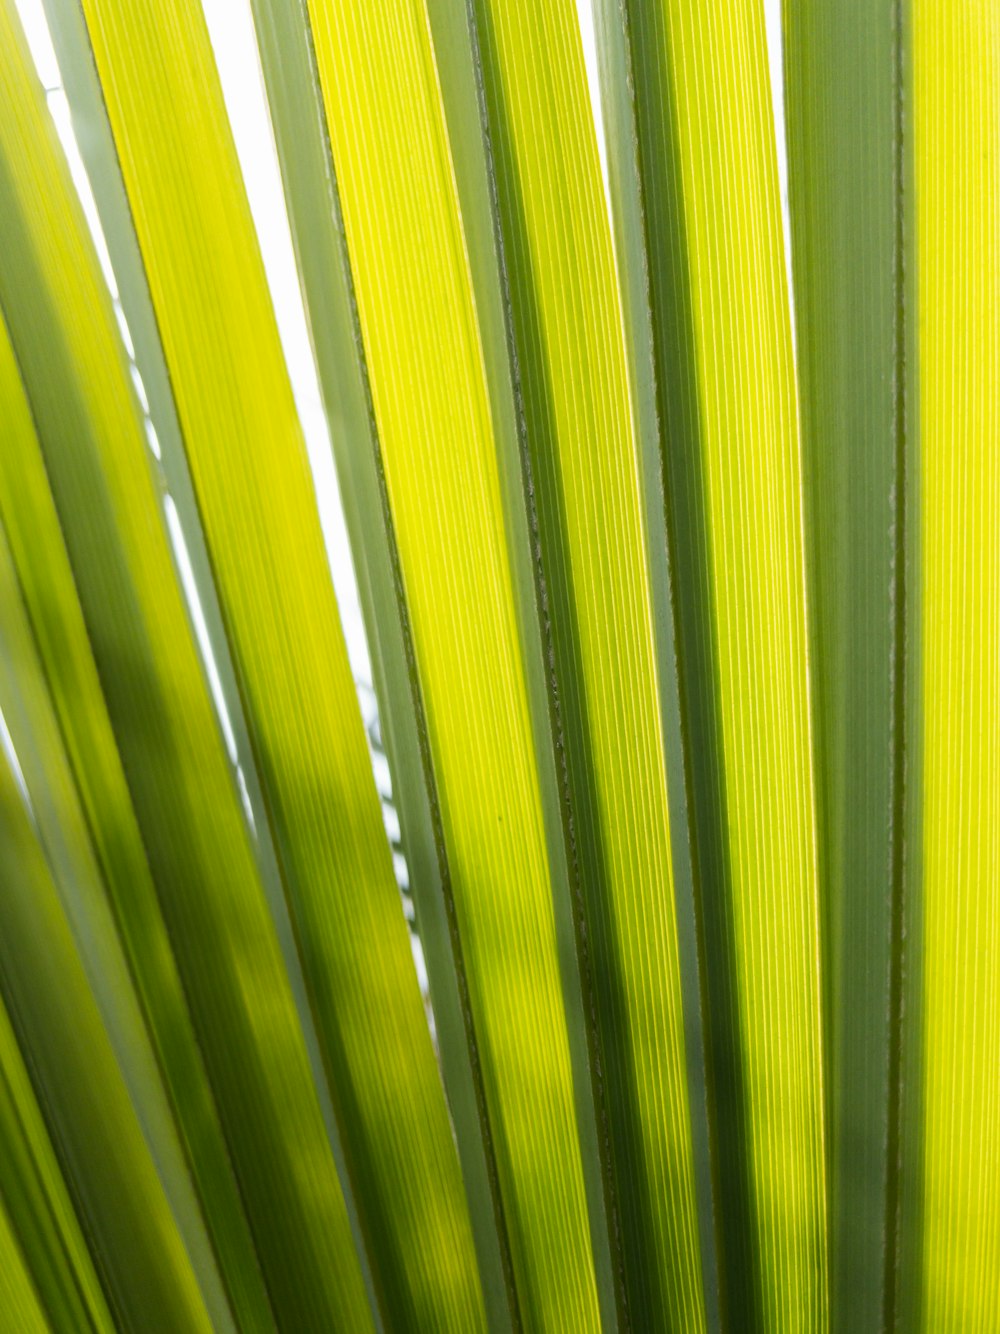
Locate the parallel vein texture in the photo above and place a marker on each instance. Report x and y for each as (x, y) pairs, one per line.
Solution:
(733, 476)
(955, 51)
(842, 96)
(39, 1210)
(251, 476)
(418, 319)
(199, 851)
(59, 818)
(44, 582)
(146, 1273)
(295, 99)
(585, 462)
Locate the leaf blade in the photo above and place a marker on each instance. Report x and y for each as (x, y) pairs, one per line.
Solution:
(251, 476)
(722, 341)
(144, 1265)
(39, 1211)
(954, 318)
(605, 577)
(62, 833)
(843, 101)
(295, 101)
(451, 529)
(172, 753)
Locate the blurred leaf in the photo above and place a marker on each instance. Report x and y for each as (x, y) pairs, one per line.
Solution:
(53, 1251)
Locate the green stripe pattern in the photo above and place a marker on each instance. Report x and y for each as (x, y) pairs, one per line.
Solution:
(678, 559)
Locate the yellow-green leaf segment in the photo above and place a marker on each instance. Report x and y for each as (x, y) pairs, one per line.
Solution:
(954, 338)
(690, 94)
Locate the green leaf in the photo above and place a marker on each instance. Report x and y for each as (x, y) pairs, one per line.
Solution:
(62, 832)
(446, 461)
(843, 108)
(147, 1273)
(199, 850)
(606, 586)
(686, 637)
(295, 102)
(251, 477)
(87, 746)
(38, 1215)
(19, 1298)
(894, 189)
(708, 197)
(950, 1275)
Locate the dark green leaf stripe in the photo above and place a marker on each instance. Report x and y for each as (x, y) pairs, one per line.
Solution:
(199, 850)
(585, 460)
(842, 98)
(295, 101)
(729, 437)
(251, 477)
(137, 1248)
(78, 784)
(62, 831)
(20, 1300)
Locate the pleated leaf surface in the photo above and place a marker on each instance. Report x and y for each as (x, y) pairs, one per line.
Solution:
(585, 460)
(707, 190)
(441, 454)
(843, 99)
(251, 477)
(172, 751)
(954, 263)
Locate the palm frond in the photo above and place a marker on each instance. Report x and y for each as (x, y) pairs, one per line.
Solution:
(679, 571)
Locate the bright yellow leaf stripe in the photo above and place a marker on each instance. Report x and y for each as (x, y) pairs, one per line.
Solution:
(439, 454)
(586, 469)
(251, 476)
(295, 101)
(199, 850)
(955, 125)
(603, 1203)
(722, 338)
